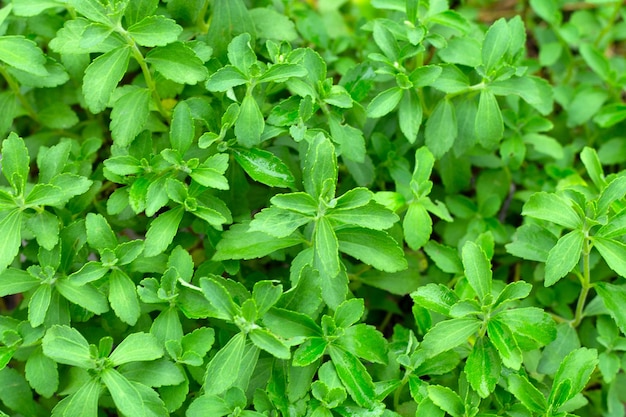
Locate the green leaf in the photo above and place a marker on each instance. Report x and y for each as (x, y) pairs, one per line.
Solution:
(365, 342)
(182, 128)
(477, 269)
(527, 394)
(371, 216)
(435, 297)
(178, 62)
(446, 258)
(265, 167)
(385, 40)
(353, 375)
(15, 281)
(129, 115)
(86, 296)
(614, 297)
(385, 102)
(239, 242)
(417, 226)
(534, 90)
(83, 402)
(136, 347)
(489, 124)
(614, 191)
(99, 233)
(449, 334)
(157, 373)
(441, 128)
(250, 122)
(91, 9)
(103, 75)
(576, 369)
(223, 369)
(278, 222)
(446, 399)
(45, 227)
(38, 305)
(67, 346)
(15, 162)
(123, 297)
(270, 24)
(502, 338)
(482, 367)
(226, 78)
(126, 396)
(162, 231)
(155, 30)
(281, 72)
(309, 351)
(350, 140)
(299, 202)
(529, 322)
(326, 248)
(211, 172)
(270, 343)
(613, 252)
(320, 167)
(532, 242)
(373, 247)
(410, 114)
(596, 60)
(10, 243)
(219, 297)
(564, 256)
(23, 54)
(41, 373)
(495, 44)
(553, 208)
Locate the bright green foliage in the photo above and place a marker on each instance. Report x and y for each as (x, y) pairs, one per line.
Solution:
(385, 208)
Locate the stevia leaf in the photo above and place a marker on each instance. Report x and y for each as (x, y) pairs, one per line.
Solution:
(410, 115)
(278, 222)
(495, 44)
(446, 399)
(103, 75)
(136, 347)
(270, 343)
(250, 122)
(281, 72)
(162, 231)
(417, 226)
(123, 297)
(240, 52)
(83, 402)
(527, 393)
(435, 297)
(67, 346)
(489, 124)
(41, 373)
(10, 225)
(613, 252)
(178, 62)
(384, 102)
(239, 242)
(45, 227)
(564, 256)
(353, 375)
(270, 24)
(15, 162)
(220, 298)
(265, 167)
(23, 54)
(371, 216)
(482, 367)
(86, 296)
(226, 78)
(320, 167)
(155, 30)
(364, 342)
(182, 129)
(449, 334)
(614, 297)
(326, 248)
(441, 128)
(502, 338)
(477, 269)
(99, 233)
(373, 247)
(14, 281)
(576, 368)
(129, 115)
(223, 370)
(553, 208)
(299, 202)
(126, 396)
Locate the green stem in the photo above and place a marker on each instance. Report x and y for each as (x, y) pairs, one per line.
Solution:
(609, 26)
(585, 281)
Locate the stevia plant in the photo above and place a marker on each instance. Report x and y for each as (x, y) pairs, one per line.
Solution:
(312, 208)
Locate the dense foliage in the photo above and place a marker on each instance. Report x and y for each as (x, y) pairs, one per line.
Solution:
(313, 208)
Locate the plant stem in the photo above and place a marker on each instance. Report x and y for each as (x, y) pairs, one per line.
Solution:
(15, 88)
(585, 281)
